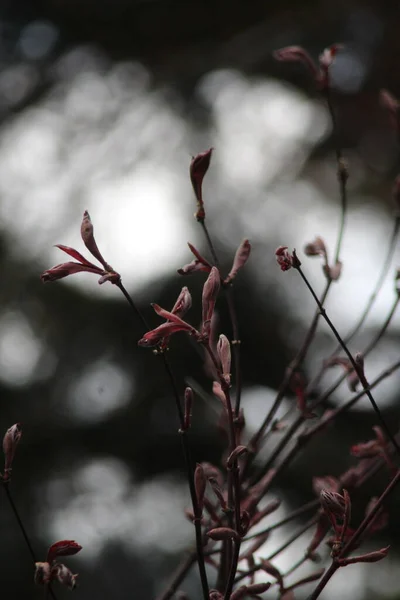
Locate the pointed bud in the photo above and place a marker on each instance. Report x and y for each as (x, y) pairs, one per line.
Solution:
(258, 588)
(240, 593)
(193, 267)
(200, 482)
(219, 393)
(285, 260)
(155, 336)
(333, 273)
(316, 248)
(234, 455)
(210, 293)
(327, 483)
(241, 258)
(332, 502)
(62, 548)
(269, 568)
(65, 576)
(365, 558)
(366, 449)
(42, 574)
(224, 354)
(297, 53)
(198, 169)
(223, 533)
(10, 443)
(198, 264)
(183, 303)
(90, 242)
(215, 595)
(66, 269)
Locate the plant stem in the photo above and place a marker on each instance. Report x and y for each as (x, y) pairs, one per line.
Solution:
(233, 481)
(190, 475)
(178, 577)
(356, 368)
(23, 530)
(281, 548)
(305, 437)
(355, 538)
(233, 319)
(186, 452)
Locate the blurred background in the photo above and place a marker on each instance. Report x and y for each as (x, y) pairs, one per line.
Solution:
(102, 105)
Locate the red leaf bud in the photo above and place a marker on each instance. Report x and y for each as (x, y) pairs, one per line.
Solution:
(333, 273)
(170, 316)
(62, 548)
(10, 442)
(155, 336)
(89, 241)
(283, 258)
(224, 354)
(366, 450)
(210, 293)
(269, 568)
(193, 267)
(241, 257)
(223, 533)
(183, 303)
(234, 455)
(239, 593)
(332, 502)
(198, 168)
(200, 482)
(215, 595)
(316, 248)
(258, 588)
(199, 264)
(327, 483)
(65, 576)
(297, 53)
(76, 255)
(69, 268)
(219, 393)
(42, 574)
(365, 558)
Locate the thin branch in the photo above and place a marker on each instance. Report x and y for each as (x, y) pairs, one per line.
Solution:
(23, 530)
(354, 538)
(356, 368)
(186, 452)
